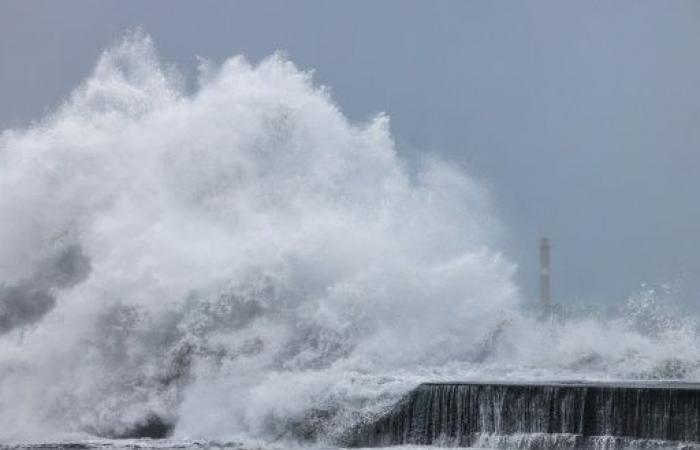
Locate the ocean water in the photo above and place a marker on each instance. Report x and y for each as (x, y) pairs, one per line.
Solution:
(242, 262)
(164, 444)
(208, 445)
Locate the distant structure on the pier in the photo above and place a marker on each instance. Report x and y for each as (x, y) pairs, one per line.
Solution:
(545, 295)
(545, 308)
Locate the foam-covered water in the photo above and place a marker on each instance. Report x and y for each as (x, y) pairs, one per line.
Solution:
(243, 263)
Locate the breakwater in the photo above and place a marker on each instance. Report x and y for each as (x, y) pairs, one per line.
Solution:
(540, 415)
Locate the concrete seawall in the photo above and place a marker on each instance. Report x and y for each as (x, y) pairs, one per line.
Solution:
(540, 415)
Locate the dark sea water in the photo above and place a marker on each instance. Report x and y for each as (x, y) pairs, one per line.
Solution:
(133, 444)
(175, 444)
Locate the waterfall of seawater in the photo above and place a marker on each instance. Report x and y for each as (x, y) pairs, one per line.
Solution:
(240, 261)
(545, 415)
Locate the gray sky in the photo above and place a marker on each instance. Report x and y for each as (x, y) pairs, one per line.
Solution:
(582, 116)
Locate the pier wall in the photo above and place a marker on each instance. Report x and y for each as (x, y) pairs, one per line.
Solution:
(540, 415)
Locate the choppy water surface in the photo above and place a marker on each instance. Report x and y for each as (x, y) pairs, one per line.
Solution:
(145, 444)
(240, 261)
(204, 445)
(148, 444)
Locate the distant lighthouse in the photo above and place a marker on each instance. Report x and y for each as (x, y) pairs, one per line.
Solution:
(545, 298)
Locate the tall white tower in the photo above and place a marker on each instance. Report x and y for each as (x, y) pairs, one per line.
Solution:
(545, 299)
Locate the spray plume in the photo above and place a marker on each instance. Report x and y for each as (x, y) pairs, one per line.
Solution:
(242, 262)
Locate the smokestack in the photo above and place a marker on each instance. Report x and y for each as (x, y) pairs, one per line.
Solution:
(545, 299)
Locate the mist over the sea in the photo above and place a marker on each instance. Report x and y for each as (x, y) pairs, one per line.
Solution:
(242, 262)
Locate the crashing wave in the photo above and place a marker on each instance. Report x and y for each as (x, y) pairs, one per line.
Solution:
(241, 261)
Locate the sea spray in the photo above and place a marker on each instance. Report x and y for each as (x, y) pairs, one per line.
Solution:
(250, 252)
(246, 263)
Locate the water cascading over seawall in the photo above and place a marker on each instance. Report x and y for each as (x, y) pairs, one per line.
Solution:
(540, 415)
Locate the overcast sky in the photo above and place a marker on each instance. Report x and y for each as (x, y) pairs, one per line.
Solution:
(583, 117)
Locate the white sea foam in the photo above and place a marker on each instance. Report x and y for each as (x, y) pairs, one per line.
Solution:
(246, 263)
